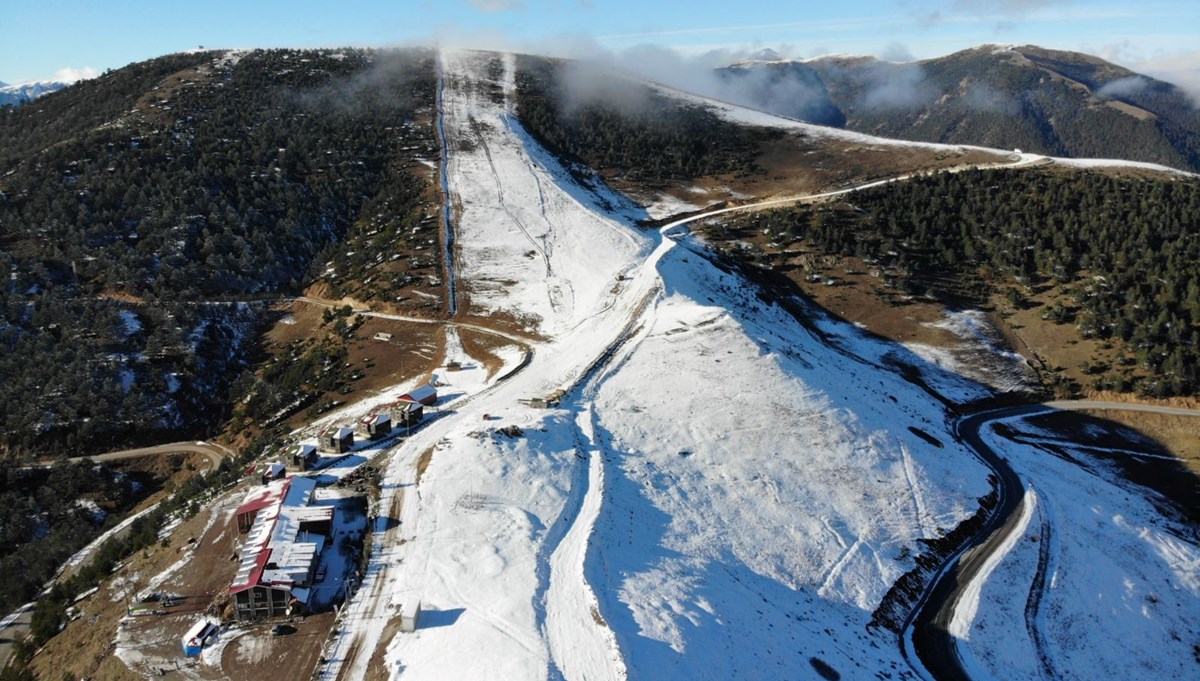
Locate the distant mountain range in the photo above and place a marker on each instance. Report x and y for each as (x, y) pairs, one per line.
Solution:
(16, 95)
(1035, 99)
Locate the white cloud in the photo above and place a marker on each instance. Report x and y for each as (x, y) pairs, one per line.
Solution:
(1180, 68)
(72, 75)
(1123, 87)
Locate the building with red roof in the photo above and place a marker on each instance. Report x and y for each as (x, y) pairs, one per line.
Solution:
(285, 534)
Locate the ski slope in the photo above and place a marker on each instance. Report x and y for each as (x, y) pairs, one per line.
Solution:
(723, 491)
(527, 235)
(564, 553)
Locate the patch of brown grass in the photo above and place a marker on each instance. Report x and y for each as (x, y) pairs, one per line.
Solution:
(377, 668)
(507, 322)
(1180, 435)
(84, 648)
(482, 347)
(796, 164)
(423, 462)
(1059, 349)
(413, 352)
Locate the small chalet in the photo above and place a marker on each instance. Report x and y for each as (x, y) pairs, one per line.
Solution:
(375, 426)
(274, 471)
(407, 414)
(279, 558)
(301, 456)
(336, 439)
(426, 395)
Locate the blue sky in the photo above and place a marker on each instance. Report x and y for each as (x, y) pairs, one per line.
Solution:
(41, 37)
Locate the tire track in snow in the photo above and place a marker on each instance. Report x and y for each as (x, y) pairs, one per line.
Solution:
(487, 152)
(837, 568)
(1037, 589)
(565, 601)
(910, 479)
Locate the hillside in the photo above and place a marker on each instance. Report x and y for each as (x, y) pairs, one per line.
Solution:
(670, 444)
(148, 215)
(675, 151)
(733, 483)
(1110, 274)
(1044, 101)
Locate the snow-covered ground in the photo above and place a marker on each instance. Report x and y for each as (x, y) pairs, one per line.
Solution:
(1098, 585)
(1118, 163)
(978, 354)
(527, 236)
(468, 543)
(722, 493)
(764, 492)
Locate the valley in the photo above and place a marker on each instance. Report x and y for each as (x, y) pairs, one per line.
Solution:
(650, 454)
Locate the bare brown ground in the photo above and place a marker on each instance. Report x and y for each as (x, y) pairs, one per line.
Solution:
(85, 648)
(503, 321)
(482, 347)
(796, 165)
(862, 299)
(121, 296)
(293, 656)
(377, 668)
(1180, 435)
(423, 462)
(1059, 346)
(414, 351)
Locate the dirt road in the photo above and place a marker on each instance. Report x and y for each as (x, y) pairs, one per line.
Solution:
(15, 626)
(213, 452)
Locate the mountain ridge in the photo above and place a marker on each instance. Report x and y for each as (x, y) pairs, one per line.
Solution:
(1006, 96)
(20, 93)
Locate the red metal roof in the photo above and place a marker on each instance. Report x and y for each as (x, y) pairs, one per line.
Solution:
(260, 563)
(263, 497)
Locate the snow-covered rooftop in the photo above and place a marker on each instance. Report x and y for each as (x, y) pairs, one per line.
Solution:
(276, 550)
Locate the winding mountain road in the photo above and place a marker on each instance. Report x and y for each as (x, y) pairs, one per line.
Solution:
(928, 626)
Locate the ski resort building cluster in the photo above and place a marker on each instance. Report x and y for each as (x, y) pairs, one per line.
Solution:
(286, 534)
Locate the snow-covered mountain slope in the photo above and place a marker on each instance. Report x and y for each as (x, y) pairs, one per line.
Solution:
(765, 490)
(722, 492)
(25, 92)
(1097, 585)
(527, 237)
